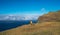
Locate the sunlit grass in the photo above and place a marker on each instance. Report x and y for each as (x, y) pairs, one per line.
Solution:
(44, 28)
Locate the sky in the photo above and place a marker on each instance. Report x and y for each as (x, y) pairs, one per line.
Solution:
(28, 7)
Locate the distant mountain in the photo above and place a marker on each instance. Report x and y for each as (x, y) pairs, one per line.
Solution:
(16, 17)
(51, 16)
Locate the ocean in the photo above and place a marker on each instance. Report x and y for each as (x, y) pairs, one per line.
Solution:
(5, 25)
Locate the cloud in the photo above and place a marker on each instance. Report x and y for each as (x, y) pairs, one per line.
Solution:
(6, 17)
(24, 17)
(43, 11)
(16, 17)
(31, 17)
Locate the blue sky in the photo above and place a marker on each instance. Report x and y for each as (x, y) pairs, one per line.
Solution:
(28, 6)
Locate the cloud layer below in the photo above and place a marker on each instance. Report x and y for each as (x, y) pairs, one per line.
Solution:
(24, 17)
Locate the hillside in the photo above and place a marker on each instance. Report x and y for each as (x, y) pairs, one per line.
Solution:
(50, 25)
(50, 17)
(45, 28)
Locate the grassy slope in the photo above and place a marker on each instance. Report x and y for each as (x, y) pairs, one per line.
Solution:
(45, 28)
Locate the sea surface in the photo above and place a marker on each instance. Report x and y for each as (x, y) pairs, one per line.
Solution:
(5, 25)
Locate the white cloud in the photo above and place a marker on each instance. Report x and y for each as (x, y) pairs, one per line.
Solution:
(19, 17)
(26, 16)
(30, 17)
(43, 11)
(6, 17)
